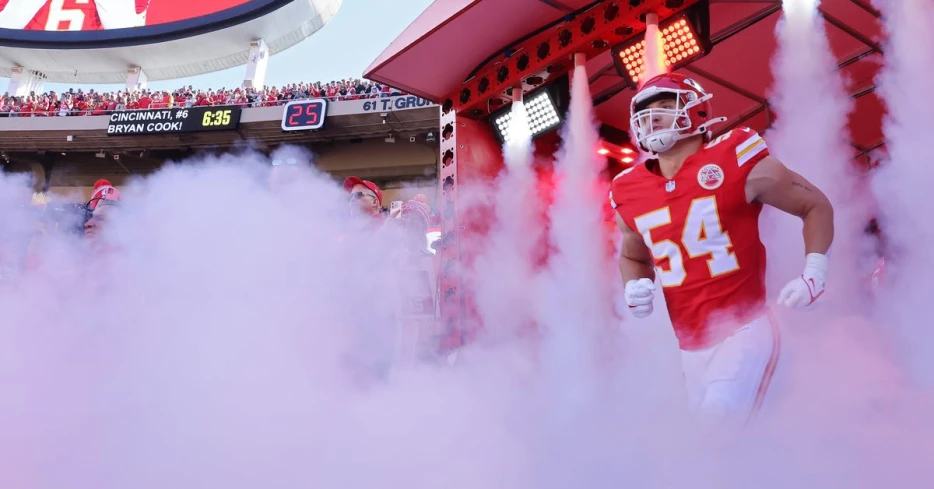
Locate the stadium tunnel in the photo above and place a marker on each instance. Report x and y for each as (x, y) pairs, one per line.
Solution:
(532, 42)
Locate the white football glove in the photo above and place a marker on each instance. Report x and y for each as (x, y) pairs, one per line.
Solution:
(807, 287)
(639, 296)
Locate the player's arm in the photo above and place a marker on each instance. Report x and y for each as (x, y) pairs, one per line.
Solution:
(635, 259)
(772, 183)
(118, 14)
(638, 270)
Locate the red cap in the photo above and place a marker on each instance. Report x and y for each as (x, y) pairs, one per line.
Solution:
(103, 190)
(351, 181)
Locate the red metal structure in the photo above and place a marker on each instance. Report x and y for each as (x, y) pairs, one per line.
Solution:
(468, 54)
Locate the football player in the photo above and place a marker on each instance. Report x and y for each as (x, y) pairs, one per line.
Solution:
(71, 15)
(690, 223)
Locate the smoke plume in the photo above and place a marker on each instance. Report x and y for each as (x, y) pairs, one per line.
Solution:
(811, 137)
(902, 181)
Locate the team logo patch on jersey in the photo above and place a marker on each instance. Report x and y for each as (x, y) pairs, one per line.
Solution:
(710, 176)
(670, 186)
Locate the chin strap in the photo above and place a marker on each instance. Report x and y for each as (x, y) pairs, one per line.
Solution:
(703, 127)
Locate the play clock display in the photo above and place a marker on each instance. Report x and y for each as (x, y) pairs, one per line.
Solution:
(303, 115)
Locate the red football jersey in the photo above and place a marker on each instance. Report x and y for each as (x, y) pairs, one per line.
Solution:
(703, 234)
(66, 15)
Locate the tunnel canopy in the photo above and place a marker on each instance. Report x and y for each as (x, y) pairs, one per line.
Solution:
(444, 46)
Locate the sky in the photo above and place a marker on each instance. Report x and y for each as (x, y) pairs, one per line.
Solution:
(343, 48)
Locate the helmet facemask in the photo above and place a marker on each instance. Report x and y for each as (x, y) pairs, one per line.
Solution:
(664, 138)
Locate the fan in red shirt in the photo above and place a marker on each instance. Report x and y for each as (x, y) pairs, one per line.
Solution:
(145, 101)
(42, 109)
(29, 107)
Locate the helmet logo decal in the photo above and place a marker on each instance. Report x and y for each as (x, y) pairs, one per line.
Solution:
(693, 84)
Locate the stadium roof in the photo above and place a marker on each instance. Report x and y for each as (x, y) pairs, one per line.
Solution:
(205, 53)
(435, 54)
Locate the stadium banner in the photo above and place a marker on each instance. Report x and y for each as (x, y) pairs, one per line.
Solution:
(176, 120)
(386, 104)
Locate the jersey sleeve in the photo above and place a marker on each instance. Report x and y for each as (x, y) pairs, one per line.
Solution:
(617, 192)
(750, 148)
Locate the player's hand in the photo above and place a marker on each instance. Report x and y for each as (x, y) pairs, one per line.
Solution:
(639, 296)
(807, 287)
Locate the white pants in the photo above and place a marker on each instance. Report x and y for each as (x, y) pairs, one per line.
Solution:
(727, 382)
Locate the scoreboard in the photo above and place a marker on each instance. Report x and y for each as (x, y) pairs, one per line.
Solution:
(170, 121)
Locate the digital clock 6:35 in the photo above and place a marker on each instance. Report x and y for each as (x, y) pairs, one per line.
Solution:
(209, 118)
(216, 118)
(302, 115)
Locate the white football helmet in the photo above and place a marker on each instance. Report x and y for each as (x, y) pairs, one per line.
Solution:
(690, 117)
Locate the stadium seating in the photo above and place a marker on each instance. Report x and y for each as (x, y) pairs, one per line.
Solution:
(79, 102)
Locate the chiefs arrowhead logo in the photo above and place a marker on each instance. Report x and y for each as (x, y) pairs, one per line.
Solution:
(710, 176)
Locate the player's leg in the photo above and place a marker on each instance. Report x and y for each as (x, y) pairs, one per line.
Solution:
(694, 367)
(738, 375)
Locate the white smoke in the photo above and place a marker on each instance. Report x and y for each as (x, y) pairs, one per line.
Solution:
(574, 302)
(902, 182)
(229, 337)
(811, 138)
(840, 394)
(503, 302)
(654, 59)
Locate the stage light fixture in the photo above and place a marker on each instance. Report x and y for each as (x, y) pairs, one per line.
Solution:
(545, 108)
(623, 153)
(542, 114)
(685, 38)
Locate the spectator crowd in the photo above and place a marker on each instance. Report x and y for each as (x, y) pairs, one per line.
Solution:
(401, 231)
(79, 102)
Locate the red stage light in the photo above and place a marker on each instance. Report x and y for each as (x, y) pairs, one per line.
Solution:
(611, 150)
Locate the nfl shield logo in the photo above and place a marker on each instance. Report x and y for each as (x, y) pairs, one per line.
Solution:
(670, 186)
